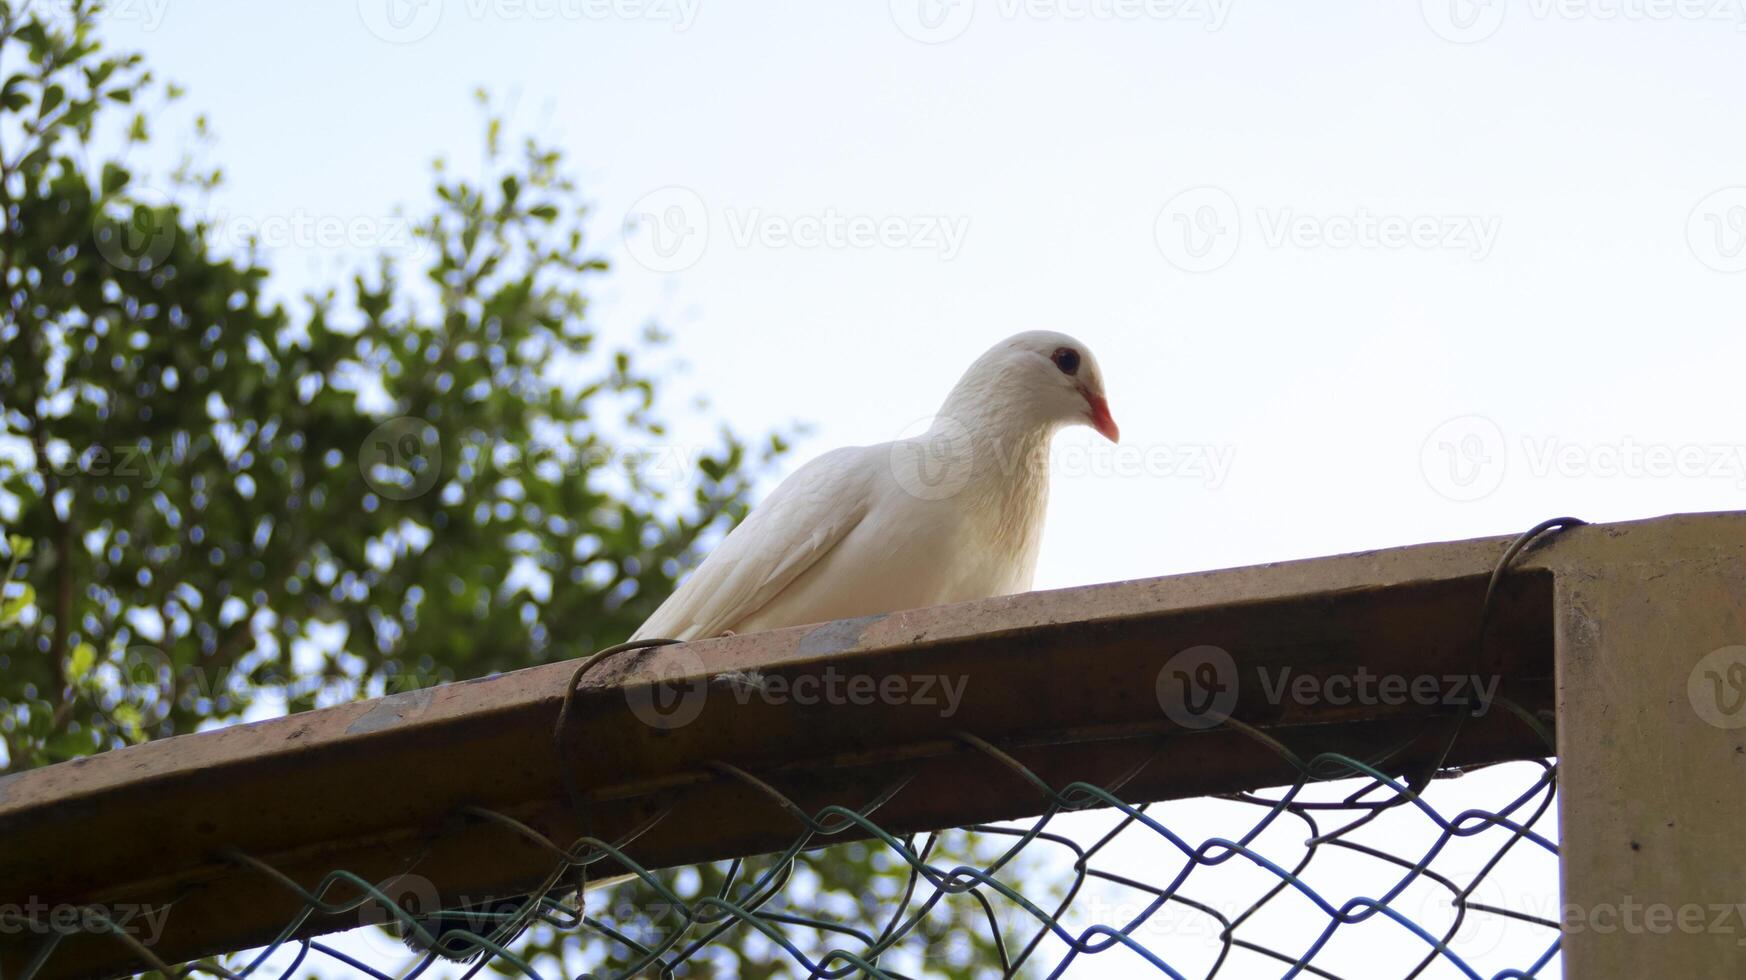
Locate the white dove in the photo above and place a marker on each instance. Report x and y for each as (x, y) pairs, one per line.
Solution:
(953, 514)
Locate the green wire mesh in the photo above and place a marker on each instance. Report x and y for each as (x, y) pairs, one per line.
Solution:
(1020, 918)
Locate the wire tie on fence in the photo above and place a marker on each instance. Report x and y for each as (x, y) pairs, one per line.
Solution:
(565, 754)
(1492, 586)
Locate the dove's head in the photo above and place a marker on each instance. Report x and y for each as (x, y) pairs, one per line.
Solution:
(1038, 378)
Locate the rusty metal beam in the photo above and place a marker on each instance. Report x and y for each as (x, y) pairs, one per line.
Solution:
(1065, 680)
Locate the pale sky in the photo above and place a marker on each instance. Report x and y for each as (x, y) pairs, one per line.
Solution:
(1571, 285)
(1358, 275)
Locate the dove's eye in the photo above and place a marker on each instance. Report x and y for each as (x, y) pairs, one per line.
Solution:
(1067, 359)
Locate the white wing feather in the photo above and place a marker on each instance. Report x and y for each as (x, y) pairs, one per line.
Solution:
(806, 516)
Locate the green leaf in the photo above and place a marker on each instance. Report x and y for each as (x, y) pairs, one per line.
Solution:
(114, 178)
(14, 606)
(95, 77)
(129, 718)
(80, 663)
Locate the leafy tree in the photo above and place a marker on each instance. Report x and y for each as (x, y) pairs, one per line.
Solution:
(215, 504)
(426, 484)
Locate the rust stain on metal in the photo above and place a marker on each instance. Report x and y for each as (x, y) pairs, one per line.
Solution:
(388, 711)
(837, 637)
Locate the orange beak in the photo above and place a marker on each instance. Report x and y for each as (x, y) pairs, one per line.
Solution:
(1101, 420)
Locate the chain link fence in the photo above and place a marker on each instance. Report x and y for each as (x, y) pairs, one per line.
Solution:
(1346, 873)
